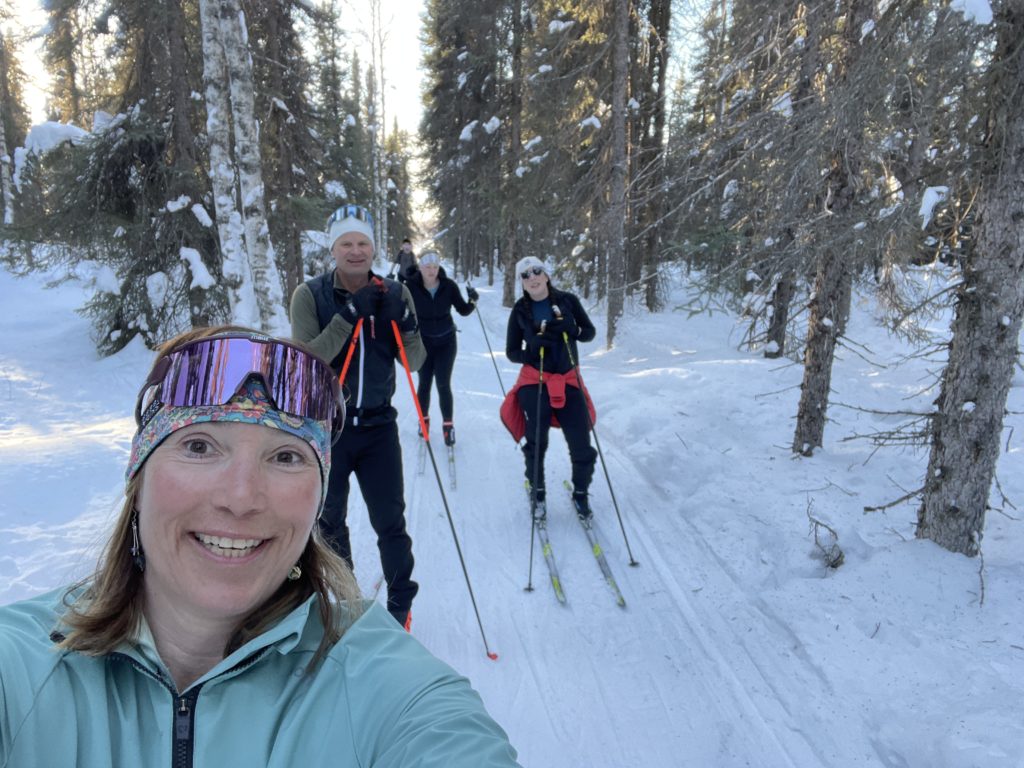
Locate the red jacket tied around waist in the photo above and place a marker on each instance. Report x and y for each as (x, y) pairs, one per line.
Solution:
(512, 415)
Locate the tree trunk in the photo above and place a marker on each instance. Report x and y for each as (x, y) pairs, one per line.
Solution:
(616, 213)
(378, 128)
(266, 279)
(515, 151)
(819, 354)
(967, 426)
(234, 261)
(832, 280)
(659, 16)
(781, 298)
(785, 288)
(286, 230)
(6, 182)
(205, 303)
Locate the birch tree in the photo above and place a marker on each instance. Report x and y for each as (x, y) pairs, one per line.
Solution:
(966, 427)
(14, 119)
(266, 278)
(234, 261)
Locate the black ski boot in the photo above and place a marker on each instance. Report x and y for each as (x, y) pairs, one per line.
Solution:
(540, 508)
(582, 505)
(449, 433)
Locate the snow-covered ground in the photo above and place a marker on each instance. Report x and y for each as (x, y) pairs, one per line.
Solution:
(738, 647)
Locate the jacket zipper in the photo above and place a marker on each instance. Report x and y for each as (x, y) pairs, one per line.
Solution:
(184, 732)
(184, 742)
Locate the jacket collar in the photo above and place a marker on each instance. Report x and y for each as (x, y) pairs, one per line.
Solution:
(293, 633)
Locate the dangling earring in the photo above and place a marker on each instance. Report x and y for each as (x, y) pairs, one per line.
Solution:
(295, 573)
(138, 556)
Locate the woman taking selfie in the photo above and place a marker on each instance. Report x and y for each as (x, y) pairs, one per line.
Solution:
(218, 629)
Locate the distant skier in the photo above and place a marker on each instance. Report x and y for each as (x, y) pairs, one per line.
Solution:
(434, 294)
(404, 260)
(543, 329)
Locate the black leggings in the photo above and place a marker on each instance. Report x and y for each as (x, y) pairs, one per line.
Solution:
(575, 423)
(438, 367)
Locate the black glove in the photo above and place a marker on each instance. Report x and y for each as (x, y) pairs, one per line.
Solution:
(393, 307)
(539, 341)
(348, 313)
(366, 301)
(564, 324)
(473, 295)
(407, 323)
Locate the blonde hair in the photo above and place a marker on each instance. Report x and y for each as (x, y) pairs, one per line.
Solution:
(105, 609)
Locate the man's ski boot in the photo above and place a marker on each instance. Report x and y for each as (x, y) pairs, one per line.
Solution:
(419, 429)
(449, 433)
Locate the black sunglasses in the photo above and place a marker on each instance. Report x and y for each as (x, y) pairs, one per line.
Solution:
(534, 271)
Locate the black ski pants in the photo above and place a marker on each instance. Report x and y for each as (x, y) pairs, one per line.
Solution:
(437, 368)
(375, 455)
(575, 423)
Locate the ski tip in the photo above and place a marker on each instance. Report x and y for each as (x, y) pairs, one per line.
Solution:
(492, 656)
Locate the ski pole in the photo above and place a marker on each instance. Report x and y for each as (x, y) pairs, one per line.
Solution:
(600, 453)
(351, 349)
(489, 350)
(536, 470)
(451, 523)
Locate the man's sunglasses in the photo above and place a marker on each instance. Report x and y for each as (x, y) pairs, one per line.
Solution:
(351, 212)
(532, 271)
(210, 371)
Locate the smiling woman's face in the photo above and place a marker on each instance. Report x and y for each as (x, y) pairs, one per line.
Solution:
(536, 285)
(225, 511)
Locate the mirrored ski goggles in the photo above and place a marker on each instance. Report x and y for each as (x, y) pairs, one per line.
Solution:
(532, 271)
(356, 212)
(211, 371)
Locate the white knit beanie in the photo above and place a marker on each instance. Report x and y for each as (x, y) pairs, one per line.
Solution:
(346, 225)
(530, 261)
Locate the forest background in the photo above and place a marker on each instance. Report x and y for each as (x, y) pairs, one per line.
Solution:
(782, 152)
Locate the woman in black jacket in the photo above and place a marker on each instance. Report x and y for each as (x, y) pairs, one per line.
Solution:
(435, 294)
(543, 330)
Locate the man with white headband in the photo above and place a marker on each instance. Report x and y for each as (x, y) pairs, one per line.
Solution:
(325, 313)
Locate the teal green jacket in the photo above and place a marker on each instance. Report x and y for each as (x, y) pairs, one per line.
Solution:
(379, 699)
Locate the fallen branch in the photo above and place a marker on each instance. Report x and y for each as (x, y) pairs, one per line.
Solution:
(900, 500)
(830, 551)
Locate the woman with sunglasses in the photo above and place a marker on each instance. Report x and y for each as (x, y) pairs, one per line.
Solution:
(218, 628)
(543, 330)
(435, 294)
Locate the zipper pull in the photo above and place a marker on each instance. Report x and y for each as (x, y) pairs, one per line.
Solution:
(182, 721)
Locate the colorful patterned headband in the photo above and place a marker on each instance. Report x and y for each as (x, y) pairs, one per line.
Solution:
(249, 406)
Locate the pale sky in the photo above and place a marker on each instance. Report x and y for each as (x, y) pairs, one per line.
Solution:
(401, 18)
